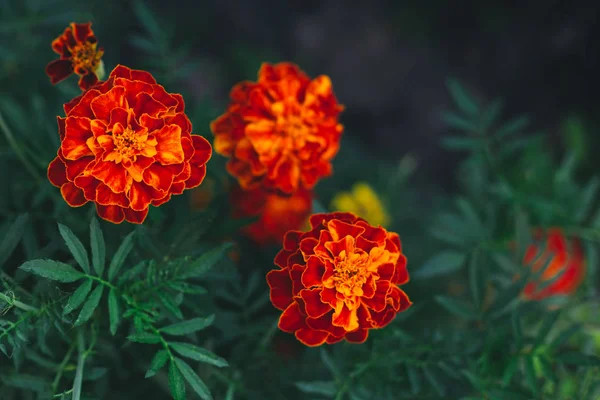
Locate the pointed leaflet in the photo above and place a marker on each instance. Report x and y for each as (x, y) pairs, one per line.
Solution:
(176, 382)
(144, 337)
(198, 354)
(193, 379)
(114, 314)
(12, 237)
(464, 101)
(325, 388)
(170, 304)
(440, 264)
(186, 327)
(53, 270)
(206, 261)
(158, 361)
(89, 306)
(434, 381)
(457, 307)
(75, 247)
(120, 256)
(78, 297)
(98, 248)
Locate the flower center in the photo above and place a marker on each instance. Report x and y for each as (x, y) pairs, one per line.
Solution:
(350, 273)
(128, 143)
(85, 57)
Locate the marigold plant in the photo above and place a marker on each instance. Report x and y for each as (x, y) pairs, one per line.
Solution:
(281, 132)
(79, 53)
(126, 144)
(338, 280)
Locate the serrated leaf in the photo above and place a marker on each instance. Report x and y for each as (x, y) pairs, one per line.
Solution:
(176, 382)
(114, 313)
(464, 101)
(98, 247)
(193, 379)
(443, 263)
(75, 247)
(158, 361)
(457, 307)
(325, 388)
(198, 354)
(12, 237)
(53, 270)
(89, 306)
(169, 303)
(144, 337)
(206, 261)
(78, 297)
(579, 359)
(120, 256)
(187, 327)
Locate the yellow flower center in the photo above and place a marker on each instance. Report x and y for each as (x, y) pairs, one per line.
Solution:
(129, 143)
(290, 120)
(351, 273)
(85, 57)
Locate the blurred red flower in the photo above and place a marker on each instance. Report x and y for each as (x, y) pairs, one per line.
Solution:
(78, 51)
(126, 144)
(277, 213)
(562, 255)
(280, 132)
(338, 280)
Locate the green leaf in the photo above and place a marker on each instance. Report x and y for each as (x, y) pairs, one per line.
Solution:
(549, 319)
(443, 263)
(120, 256)
(522, 234)
(193, 379)
(169, 303)
(187, 327)
(89, 306)
(206, 261)
(78, 297)
(158, 361)
(98, 248)
(325, 388)
(75, 247)
(510, 370)
(464, 101)
(53, 270)
(491, 113)
(433, 380)
(187, 288)
(414, 379)
(530, 374)
(516, 328)
(458, 123)
(114, 314)
(459, 143)
(176, 382)
(457, 307)
(587, 199)
(330, 363)
(144, 337)
(476, 278)
(565, 335)
(198, 354)
(579, 359)
(513, 126)
(564, 172)
(12, 237)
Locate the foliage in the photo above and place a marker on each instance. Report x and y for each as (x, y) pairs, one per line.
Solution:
(91, 310)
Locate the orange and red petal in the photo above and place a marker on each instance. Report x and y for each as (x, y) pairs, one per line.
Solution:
(88, 184)
(104, 103)
(81, 31)
(311, 337)
(76, 167)
(202, 150)
(169, 148)
(292, 319)
(106, 197)
(81, 106)
(357, 336)
(57, 172)
(59, 70)
(114, 214)
(146, 104)
(135, 217)
(315, 308)
(401, 274)
(72, 195)
(379, 300)
(280, 286)
(111, 174)
(323, 323)
(159, 177)
(315, 269)
(77, 131)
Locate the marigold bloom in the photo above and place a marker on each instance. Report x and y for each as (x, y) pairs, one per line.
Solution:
(338, 280)
(126, 144)
(278, 213)
(562, 256)
(362, 200)
(280, 132)
(78, 51)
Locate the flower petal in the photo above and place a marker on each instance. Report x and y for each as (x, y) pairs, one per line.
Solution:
(59, 70)
(104, 103)
(87, 81)
(311, 337)
(57, 173)
(77, 131)
(313, 274)
(135, 217)
(111, 174)
(72, 195)
(158, 176)
(280, 286)
(314, 306)
(106, 197)
(169, 146)
(291, 319)
(141, 196)
(146, 104)
(358, 336)
(112, 214)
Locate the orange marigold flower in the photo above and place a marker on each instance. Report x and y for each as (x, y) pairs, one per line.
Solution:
(278, 213)
(126, 144)
(280, 132)
(562, 255)
(78, 51)
(338, 280)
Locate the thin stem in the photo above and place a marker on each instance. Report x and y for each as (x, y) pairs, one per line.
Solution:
(17, 149)
(11, 301)
(102, 281)
(80, 363)
(61, 368)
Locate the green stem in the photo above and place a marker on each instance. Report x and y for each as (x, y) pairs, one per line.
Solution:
(80, 363)
(17, 149)
(61, 368)
(102, 281)
(18, 304)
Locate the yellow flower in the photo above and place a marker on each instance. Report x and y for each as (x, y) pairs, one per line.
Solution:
(364, 202)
